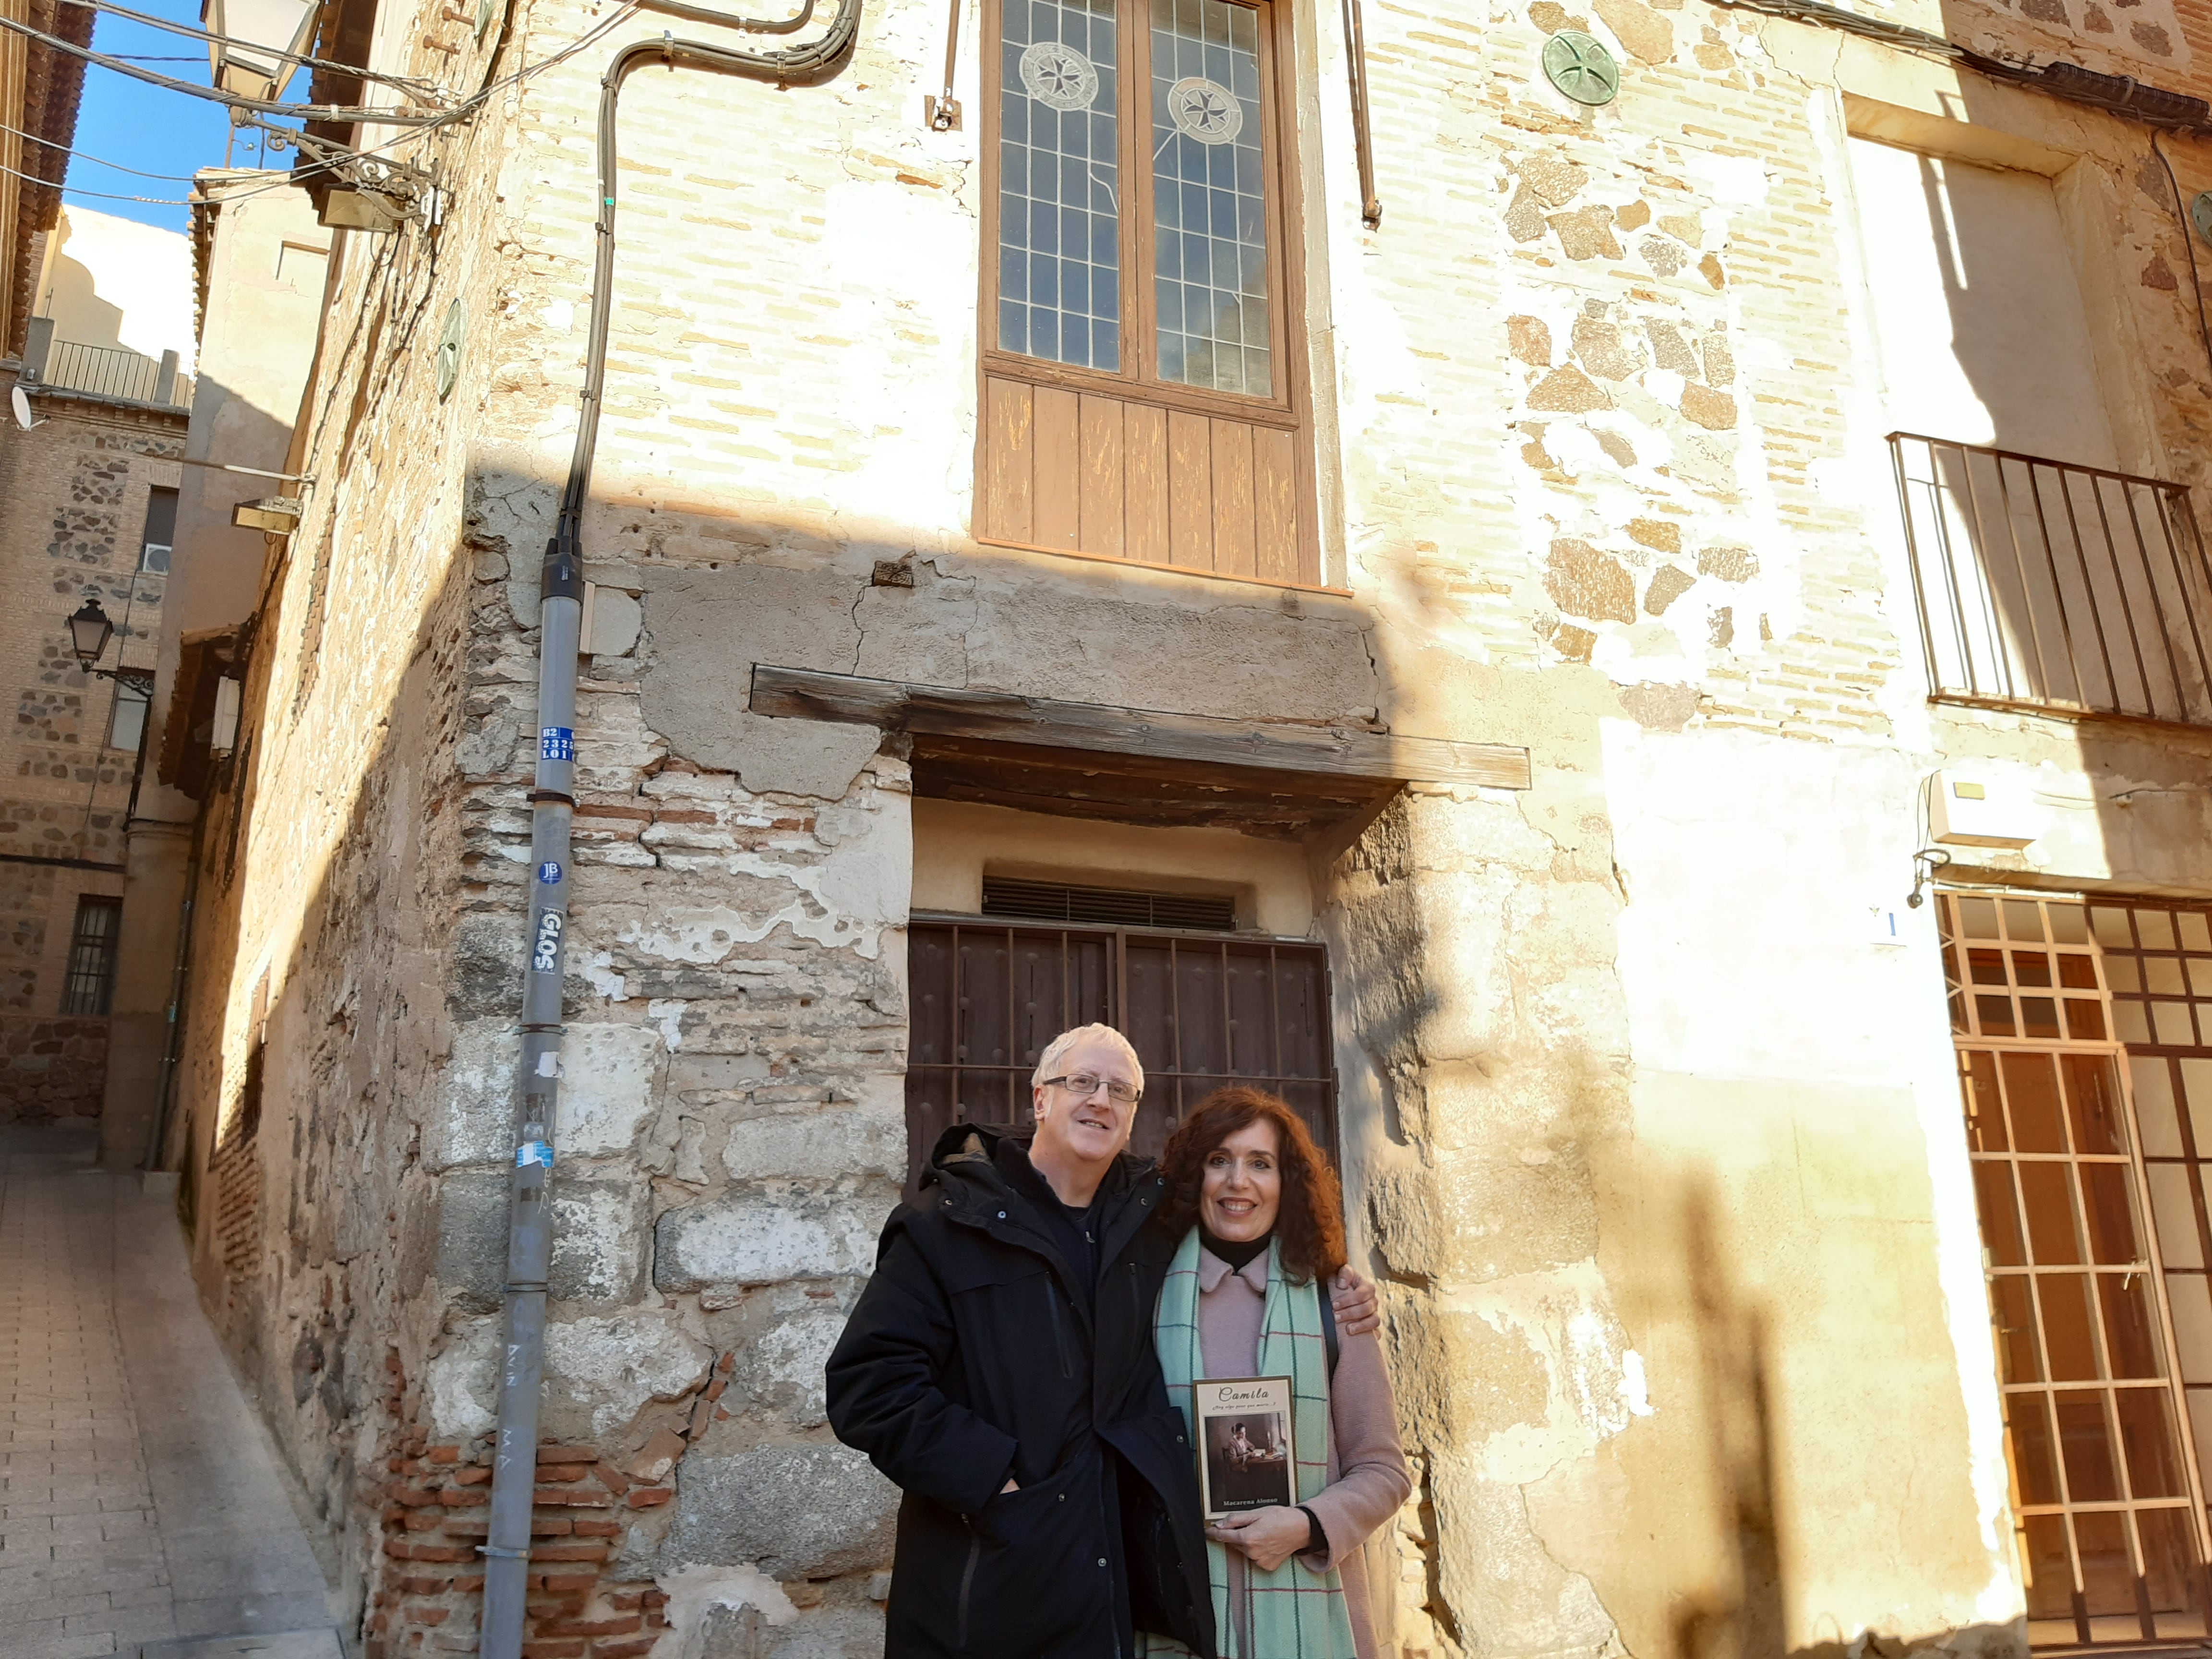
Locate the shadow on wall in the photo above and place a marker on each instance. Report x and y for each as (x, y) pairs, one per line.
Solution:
(72, 300)
(297, 1121)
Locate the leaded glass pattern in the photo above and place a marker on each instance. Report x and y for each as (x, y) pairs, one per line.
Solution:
(1060, 255)
(1209, 201)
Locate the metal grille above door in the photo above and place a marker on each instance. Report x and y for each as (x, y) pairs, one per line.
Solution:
(1201, 1011)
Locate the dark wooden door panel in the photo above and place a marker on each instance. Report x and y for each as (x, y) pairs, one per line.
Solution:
(1202, 1012)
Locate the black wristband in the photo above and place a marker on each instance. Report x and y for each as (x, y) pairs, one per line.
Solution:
(1316, 1540)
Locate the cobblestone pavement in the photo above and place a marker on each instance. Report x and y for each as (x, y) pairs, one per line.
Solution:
(141, 1511)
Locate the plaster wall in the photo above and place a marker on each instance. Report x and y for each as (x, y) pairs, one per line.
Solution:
(1641, 1133)
(957, 844)
(111, 281)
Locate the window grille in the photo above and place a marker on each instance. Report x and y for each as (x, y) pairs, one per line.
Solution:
(1202, 1012)
(2101, 1321)
(90, 987)
(2042, 584)
(1045, 901)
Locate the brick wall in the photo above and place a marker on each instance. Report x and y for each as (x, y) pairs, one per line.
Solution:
(1596, 397)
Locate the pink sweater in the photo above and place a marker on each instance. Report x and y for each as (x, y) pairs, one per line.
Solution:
(1368, 1480)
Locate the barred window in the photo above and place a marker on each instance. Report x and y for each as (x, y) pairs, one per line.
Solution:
(90, 987)
(1202, 1009)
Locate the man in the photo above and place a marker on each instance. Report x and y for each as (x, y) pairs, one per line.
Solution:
(999, 1369)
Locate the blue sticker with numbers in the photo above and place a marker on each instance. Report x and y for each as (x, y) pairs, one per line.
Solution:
(533, 1152)
(556, 743)
(549, 872)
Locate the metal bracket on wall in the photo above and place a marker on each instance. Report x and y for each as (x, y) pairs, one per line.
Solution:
(942, 112)
(1355, 48)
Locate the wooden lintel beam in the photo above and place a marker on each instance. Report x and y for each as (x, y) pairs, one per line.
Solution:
(1003, 717)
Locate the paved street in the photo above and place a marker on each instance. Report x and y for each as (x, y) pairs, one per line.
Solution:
(141, 1512)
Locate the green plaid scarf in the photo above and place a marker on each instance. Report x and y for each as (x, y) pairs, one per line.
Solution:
(1292, 1612)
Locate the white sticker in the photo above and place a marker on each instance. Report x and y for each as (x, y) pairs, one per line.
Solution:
(1059, 76)
(548, 1064)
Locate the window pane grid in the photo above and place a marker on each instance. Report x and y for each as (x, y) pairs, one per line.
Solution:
(1060, 259)
(2093, 1342)
(89, 988)
(1209, 198)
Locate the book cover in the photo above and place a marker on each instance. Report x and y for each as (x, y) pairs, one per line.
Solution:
(1245, 1460)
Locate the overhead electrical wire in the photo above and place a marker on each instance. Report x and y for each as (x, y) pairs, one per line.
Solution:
(80, 156)
(258, 106)
(406, 83)
(103, 195)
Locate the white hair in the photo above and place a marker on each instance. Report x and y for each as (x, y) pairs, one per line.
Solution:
(1056, 1050)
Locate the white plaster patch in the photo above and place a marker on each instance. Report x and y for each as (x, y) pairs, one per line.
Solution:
(1734, 180)
(461, 1380)
(1567, 1316)
(612, 1367)
(852, 898)
(669, 1016)
(694, 1592)
(1633, 1388)
(756, 1238)
(607, 1088)
(598, 972)
(468, 1121)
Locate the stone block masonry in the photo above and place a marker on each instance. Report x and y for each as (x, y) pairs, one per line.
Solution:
(1596, 414)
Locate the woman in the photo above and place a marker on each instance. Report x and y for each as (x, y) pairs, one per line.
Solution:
(1256, 1205)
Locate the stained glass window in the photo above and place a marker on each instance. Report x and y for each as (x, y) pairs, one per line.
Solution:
(1059, 208)
(1209, 204)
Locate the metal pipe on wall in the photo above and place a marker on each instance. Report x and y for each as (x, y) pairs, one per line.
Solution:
(552, 804)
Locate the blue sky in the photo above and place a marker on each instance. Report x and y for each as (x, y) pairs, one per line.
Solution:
(150, 128)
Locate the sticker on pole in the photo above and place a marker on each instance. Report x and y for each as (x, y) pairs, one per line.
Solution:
(534, 1153)
(545, 949)
(556, 743)
(550, 872)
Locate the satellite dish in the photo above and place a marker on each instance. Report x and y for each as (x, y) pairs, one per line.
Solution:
(20, 400)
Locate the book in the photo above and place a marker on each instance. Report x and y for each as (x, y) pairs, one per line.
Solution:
(1245, 1459)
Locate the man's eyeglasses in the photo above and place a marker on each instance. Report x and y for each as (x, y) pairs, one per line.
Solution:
(1085, 1083)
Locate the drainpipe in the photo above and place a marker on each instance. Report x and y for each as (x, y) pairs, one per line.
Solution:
(552, 809)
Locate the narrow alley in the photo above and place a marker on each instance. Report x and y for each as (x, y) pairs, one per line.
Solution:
(141, 1510)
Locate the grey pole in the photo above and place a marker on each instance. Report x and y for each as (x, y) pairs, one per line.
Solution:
(530, 1233)
(553, 806)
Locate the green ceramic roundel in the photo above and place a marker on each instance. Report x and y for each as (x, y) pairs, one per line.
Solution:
(449, 348)
(2200, 214)
(1581, 67)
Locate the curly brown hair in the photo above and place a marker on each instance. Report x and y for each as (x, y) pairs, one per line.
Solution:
(1309, 1226)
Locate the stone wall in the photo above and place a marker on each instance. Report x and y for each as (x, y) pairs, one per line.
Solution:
(1641, 1131)
(72, 504)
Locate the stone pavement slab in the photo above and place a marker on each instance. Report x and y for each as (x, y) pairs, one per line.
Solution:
(142, 1513)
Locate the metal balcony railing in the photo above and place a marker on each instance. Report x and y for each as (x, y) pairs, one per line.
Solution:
(115, 371)
(2047, 586)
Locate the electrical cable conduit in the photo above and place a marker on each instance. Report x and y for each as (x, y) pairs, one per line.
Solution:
(552, 809)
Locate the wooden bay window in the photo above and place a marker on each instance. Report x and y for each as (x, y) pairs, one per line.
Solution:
(1142, 390)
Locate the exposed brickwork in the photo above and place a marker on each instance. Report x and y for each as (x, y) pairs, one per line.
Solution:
(1592, 392)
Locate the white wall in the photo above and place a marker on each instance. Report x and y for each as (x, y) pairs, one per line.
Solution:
(109, 282)
(1982, 335)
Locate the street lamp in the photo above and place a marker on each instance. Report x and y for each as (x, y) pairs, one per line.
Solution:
(262, 39)
(89, 632)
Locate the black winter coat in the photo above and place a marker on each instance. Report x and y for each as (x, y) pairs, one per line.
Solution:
(972, 1356)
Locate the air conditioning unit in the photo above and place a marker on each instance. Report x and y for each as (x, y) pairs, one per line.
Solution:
(1978, 809)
